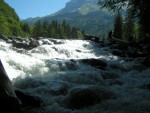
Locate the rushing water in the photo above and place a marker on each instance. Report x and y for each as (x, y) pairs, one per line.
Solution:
(47, 69)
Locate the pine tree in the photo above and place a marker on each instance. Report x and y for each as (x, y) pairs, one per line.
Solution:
(118, 26)
(140, 9)
(26, 28)
(74, 33)
(51, 31)
(129, 26)
(37, 30)
(68, 31)
(45, 29)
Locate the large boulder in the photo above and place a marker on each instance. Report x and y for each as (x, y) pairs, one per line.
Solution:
(25, 44)
(28, 100)
(33, 43)
(6, 87)
(18, 44)
(9, 104)
(8, 97)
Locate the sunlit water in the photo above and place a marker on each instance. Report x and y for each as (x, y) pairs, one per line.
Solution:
(48, 68)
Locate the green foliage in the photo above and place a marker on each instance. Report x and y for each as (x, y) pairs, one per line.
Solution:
(26, 28)
(9, 22)
(7, 11)
(55, 30)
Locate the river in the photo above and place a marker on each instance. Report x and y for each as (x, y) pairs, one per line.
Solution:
(50, 71)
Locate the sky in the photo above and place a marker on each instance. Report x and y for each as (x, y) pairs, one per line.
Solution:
(36, 8)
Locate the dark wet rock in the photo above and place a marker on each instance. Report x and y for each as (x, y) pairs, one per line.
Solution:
(145, 86)
(133, 50)
(82, 97)
(136, 50)
(59, 91)
(6, 88)
(95, 63)
(122, 46)
(10, 105)
(78, 50)
(92, 38)
(110, 75)
(56, 41)
(146, 62)
(71, 66)
(19, 39)
(28, 100)
(33, 43)
(146, 47)
(46, 42)
(138, 67)
(68, 66)
(115, 82)
(8, 98)
(136, 54)
(20, 44)
(58, 88)
(118, 53)
(23, 43)
(3, 37)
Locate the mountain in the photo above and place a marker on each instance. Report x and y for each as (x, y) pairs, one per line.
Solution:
(82, 6)
(83, 14)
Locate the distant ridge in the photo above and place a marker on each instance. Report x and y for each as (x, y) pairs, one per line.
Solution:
(84, 14)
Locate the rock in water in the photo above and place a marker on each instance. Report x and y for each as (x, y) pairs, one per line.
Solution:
(8, 97)
(95, 63)
(81, 97)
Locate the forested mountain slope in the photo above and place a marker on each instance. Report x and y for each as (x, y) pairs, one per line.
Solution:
(84, 14)
(9, 21)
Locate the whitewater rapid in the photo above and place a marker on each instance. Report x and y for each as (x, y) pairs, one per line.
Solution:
(45, 59)
(52, 66)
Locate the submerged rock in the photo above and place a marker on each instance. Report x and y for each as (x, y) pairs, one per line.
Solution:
(95, 63)
(146, 62)
(110, 75)
(81, 97)
(58, 88)
(145, 86)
